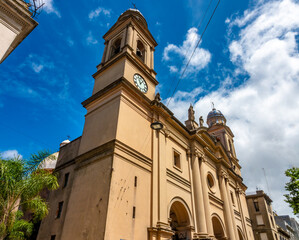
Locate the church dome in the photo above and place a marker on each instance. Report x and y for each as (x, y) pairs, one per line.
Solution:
(135, 13)
(215, 117)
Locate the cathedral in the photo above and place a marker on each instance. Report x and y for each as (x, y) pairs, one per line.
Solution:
(137, 172)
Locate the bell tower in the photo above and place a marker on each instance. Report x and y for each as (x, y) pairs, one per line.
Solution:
(129, 53)
(127, 66)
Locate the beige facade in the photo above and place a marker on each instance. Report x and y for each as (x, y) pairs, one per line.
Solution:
(123, 179)
(15, 25)
(262, 216)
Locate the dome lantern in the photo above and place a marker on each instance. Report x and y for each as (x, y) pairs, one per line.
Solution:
(215, 117)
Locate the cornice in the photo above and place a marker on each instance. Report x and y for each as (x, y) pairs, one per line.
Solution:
(216, 199)
(21, 17)
(132, 152)
(121, 81)
(178, 178)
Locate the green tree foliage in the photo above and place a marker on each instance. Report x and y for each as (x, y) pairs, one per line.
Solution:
(21, 181)
(293, 187)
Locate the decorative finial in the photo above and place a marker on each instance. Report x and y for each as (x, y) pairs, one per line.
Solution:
(213, 107)
(134, 5)
(68, 137)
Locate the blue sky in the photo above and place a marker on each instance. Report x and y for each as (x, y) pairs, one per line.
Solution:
(247, 64)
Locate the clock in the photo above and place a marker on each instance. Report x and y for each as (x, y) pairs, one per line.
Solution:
(140, 83)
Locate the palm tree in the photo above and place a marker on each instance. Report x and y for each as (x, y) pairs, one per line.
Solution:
(21, 181)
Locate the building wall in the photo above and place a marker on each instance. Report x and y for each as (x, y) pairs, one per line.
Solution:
(15, 25)
(263, 222)
(7, 36)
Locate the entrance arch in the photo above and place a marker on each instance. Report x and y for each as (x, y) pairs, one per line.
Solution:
(218, 228)
(179, 219)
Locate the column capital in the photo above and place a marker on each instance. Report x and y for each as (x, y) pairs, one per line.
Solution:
(199, 154)
(239, 190)
(189, 154)
(223, 174)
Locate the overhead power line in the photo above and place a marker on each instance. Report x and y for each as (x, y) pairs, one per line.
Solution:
(198, 27)
(201, 36)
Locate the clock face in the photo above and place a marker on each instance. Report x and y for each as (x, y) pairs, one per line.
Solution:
(140, 83)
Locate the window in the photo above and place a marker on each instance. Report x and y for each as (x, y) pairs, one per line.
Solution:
(176, 159)
(232, 197)
(263, 236)
(135, 182)
(59, 209)
(256, 205)
(115, 49)
(134, 211)
(211, 182)
(66, 179)
(53, 237)
(259, 220)
(140, 51)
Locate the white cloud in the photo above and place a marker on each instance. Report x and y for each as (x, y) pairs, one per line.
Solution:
(10, 154)
(200, 59)
(100, 10)
(263, 112)
(49, 7)
(37, 67)
(173, 69)
(90, 39)
(38, 63)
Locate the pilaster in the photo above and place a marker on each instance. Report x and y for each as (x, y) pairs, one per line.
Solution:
(223, 178)
(201, 226)
(240, 192)
(206, 195)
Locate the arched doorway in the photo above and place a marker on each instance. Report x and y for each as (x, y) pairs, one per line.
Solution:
(179, 221)
(218, 228)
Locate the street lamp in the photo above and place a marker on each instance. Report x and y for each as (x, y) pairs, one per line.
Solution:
(157, 125)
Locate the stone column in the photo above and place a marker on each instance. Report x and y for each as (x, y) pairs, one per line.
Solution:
(198, 197)
(240, 193)
(205, 192)
(231, 209)
(108, 52)
(152, 58)
(155, 171)
(189, 158)
(162, 182)
(147, 58)
(129, 36)
(105, 53)
(223, 177)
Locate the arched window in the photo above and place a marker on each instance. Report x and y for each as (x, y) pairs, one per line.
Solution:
(115, 49)
(140, 51)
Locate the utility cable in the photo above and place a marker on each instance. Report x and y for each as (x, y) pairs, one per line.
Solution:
(193, 53)
(198, 27)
